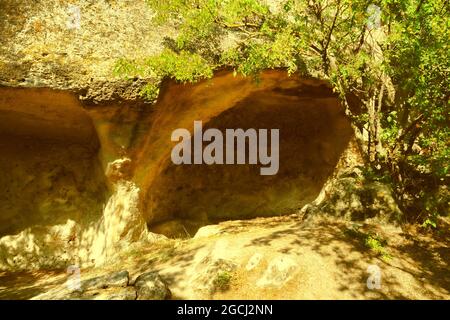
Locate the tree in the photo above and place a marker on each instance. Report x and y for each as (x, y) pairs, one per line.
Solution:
(388, 57)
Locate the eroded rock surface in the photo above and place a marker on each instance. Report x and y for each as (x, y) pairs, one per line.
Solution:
(314, 132)
(117, 279)
(150, 286)
(82, 182)
(111, 286)
(75, 45)
(351, 194)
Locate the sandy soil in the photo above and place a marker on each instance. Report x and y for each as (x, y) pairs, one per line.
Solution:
(280, 258)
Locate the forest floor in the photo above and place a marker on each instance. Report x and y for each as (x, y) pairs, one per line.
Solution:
(281, 258)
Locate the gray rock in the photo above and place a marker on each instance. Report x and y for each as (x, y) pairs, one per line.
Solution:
(128, 293)
(113, 293)
(150, 286)
(116, 279)
(74, 66)
(214, 274)
(112, 286)
(357, 199)
(278, 272)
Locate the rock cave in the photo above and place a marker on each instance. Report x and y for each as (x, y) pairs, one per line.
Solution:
(56, 149)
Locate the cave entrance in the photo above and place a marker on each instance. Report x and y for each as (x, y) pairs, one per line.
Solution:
(313, 133)
(49, 165)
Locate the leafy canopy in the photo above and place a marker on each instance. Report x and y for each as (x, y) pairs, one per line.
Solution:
(390, 56)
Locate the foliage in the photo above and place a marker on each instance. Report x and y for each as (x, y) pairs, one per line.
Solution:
(429, 222)
(377, 245)
(389, 60)
(371, 240)
(222, 281)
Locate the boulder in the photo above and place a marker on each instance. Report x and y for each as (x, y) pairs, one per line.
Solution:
(116, 279)
(280, 270)
(128, 293)
(213, 274)
(150, 286)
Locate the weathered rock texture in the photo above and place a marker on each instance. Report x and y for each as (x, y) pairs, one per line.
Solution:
(58, 204)
(351, 194)
(110, 286)
(44, 45)
(313, 134)
(81, 182)
(92, 177)
(150, 286)
(86, 164)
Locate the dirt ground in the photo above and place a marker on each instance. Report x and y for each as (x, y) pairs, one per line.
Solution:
(280, 258)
